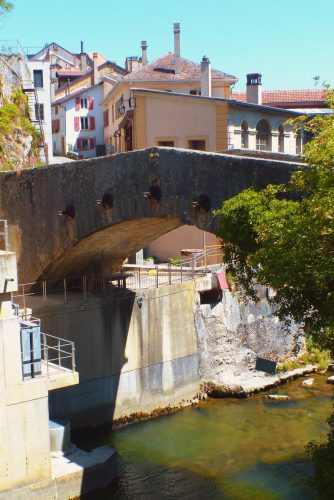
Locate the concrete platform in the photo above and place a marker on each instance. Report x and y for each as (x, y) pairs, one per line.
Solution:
(73, 475)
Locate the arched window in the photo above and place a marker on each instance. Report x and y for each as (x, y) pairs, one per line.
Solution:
(299, 142)
(244, 134)
(263, 136)
(281, 139)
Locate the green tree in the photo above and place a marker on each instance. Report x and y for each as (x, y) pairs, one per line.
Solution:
(5, 6)
(283, 237)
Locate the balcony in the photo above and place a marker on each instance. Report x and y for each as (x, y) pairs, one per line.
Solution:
(46, 356)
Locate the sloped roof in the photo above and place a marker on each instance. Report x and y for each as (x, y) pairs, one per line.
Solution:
(288, 98)
(164, 69)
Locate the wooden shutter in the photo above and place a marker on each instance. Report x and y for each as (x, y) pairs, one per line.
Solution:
(92, 123)
(91, 143)
(107, 117)
(90, 102)
(77, 103)
(79, 147)
(76, 123)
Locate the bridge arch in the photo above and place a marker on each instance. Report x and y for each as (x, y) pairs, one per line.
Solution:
(99, 211)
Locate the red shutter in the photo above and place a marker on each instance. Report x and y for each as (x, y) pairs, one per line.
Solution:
(91, 143)
(58, 125)
(77, 123)
(90, 102)
(92, 123)
(77, 103)
(79, 145)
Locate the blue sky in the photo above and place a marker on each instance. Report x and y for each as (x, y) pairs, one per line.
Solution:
(288, 41)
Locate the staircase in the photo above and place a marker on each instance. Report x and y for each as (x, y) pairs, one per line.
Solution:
(35, 114)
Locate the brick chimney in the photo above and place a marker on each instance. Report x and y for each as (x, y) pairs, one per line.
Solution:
(95, 67)
(254, 88)
(205, 77)
(144, 52)
(177, 52)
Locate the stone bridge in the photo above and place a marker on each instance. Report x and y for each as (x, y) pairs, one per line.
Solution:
(78, 218)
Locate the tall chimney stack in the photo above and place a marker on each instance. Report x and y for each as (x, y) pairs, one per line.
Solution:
(177, 52)
(95, 67)
(254, 88)
(83, 58)
(144, 52)
(205, 77)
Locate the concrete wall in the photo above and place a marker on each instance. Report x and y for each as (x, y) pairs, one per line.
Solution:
(130, 357)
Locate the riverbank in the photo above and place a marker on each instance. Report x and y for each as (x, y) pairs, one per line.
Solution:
(242, 386)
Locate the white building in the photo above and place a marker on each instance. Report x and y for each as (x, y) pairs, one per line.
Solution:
(41, 109)
(77, 123)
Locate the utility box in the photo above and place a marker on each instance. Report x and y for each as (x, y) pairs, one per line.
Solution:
(31, 349)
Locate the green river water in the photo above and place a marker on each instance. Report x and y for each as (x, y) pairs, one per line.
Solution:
(227, 448)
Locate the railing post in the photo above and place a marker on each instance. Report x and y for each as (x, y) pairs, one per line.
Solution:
(44, 292)
(59, 355)
(181, 270)
(157, 277)
(193, 267)
(169, 273)
(139, 281)
(84, 286)
(65, 291)
(24, 302)
(73, 356)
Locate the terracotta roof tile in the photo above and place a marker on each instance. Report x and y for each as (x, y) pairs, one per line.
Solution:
(164, 69)
(286, 98)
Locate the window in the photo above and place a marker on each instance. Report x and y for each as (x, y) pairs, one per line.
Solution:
(38, 78)
(281, 139)
(39, 112)
(84, 123)
(198, 144)
(299, 142)
(119, 105)
(263, 136)
(84, 102)
(106, 118)
(55, 126)
(244, 135)
(166, 144)
(84, 143)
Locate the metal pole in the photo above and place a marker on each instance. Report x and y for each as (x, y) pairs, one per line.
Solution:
(24, 302)
(84, 286)
(193, 267)
(73, 356)
(157, 277)
(59, 360)
(181, 271)
(65, 291)
(169, 273)
(139, 283)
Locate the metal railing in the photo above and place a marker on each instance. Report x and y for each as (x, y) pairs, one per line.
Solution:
(4, 242)
(57, 353)
(132, 278)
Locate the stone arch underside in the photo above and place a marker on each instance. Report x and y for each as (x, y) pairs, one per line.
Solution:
(103, 251)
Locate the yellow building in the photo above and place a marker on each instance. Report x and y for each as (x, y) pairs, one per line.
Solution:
(170, 73)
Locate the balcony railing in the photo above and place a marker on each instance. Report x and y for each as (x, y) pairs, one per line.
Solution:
(57, 353)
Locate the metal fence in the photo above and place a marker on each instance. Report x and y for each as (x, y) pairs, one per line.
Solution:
(57, 353)
(132, 278)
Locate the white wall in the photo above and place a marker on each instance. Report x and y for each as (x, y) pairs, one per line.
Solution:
(44, 97)
(67, 124)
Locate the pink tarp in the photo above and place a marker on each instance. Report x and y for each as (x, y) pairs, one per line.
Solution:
(222, 280)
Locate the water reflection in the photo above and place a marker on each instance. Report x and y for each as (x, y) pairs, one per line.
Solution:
(228, 448)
